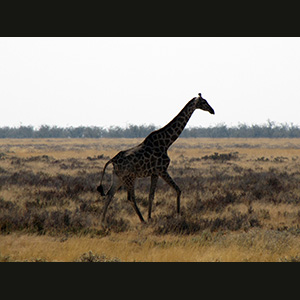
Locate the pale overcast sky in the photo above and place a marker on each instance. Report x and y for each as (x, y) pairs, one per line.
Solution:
(106, 81)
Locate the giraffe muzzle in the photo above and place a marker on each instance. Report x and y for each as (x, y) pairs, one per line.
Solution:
(210, 110)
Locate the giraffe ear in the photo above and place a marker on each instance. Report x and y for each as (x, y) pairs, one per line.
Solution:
(199, 94)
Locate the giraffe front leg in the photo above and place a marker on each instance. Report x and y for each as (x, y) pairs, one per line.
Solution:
(154, 179)
(168, 179)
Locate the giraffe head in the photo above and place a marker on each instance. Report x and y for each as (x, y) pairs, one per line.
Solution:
(202, 104)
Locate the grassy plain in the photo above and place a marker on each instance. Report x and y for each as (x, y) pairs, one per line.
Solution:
(240, 202)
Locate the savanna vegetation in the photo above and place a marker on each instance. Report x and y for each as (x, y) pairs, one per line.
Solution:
(269, 130)
(240, 202)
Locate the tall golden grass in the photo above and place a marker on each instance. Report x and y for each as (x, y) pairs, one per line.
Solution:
(240, 202)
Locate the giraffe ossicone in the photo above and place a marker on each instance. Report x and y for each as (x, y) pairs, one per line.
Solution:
(149, 158)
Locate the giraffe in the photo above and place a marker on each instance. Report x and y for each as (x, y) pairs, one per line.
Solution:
(149, 158)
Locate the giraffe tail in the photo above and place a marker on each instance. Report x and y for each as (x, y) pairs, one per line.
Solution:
(100, 187)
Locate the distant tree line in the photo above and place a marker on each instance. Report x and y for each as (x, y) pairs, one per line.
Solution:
(268, 130)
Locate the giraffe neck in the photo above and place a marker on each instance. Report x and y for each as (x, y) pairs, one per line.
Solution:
(168, 134)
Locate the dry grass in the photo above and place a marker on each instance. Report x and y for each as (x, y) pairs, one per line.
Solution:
(254, 245)
(240, 202)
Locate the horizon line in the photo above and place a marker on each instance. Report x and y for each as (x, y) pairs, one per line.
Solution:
(269, 123)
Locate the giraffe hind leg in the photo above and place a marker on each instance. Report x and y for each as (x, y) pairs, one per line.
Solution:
(131, 198)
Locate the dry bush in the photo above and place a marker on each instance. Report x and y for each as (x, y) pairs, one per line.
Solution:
(91, 257)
